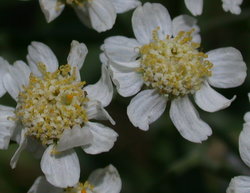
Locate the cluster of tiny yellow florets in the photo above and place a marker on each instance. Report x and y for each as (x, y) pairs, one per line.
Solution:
(52, 103)
(80, 188)
(174, 66)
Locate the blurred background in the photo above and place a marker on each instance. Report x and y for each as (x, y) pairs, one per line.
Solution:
(159, 160)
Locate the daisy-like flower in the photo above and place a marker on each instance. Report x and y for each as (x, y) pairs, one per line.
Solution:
(104, 180)
(53, 112)
(165, 58)
(196, 6)
(241, 184)
(97, 14)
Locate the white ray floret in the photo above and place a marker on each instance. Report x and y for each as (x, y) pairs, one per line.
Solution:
(164, 63)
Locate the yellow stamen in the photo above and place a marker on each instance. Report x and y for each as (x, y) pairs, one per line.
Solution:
(69, 98)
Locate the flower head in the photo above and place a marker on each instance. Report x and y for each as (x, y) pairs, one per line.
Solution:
(104, 180)
(97, 14)
(54, 112)
(173, 66)
(165, 59)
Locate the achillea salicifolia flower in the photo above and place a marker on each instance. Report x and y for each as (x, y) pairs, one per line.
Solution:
(104, 180)
(165, 58)
(97, 14)
(53, 112)
(241, 184)
(196, 6)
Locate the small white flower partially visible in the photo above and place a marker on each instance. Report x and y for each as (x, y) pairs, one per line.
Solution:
(53, 112)
(241, 184)
(104, 180)
(165, 58)
(97, 14)
(196, 6)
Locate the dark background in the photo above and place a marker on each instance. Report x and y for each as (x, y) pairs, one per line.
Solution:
(159, 160)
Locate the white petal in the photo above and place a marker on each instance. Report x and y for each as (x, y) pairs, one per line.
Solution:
(106, 180)
(11, 86)
(127, 83)
(16, 135)
(74, 137)
(229, 69)
(125, 66)
(121, 48)
(186, 23)
(145, 108)
(244, 144)
(96, 111)
(239, 184)
(122, 6)
(102, 14)
(209, 100)
(247, 117)
(186, 119)
(39, 52)
(4, 65)
(102, 90)
(77, 54)
(6, 125)
(194, 6)
(51, 9)
(232, 5)
(103, 138)
(23, 144)
(20, 72)
(61, 170)
(41, 186)
(149, 17)
(34, 146)
(103, 58)
(83, 14)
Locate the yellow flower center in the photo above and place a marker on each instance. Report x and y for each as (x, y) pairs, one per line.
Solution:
(80, 188)
(174, 66)
(52, 103)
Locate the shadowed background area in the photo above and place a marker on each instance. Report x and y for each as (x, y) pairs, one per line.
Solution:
(159, 160)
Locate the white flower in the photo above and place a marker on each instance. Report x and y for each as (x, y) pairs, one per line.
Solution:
(196, 6)
(97, 14)
(54, 110)
(241, 184)
(164, 58)
(104, 180)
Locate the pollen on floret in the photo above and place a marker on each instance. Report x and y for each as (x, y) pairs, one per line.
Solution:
(173, 65)
(52, 103)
